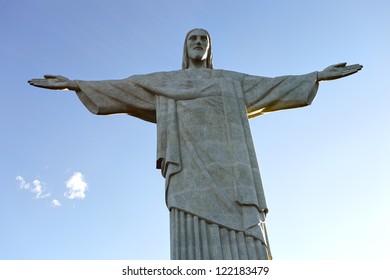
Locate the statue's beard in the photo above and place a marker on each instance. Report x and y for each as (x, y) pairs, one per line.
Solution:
(200, 58)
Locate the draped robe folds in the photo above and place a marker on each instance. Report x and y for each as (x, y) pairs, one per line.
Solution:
(205, 149)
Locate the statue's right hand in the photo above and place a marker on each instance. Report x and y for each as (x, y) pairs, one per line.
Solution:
(52, 82)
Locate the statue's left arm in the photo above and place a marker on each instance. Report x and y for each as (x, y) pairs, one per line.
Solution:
(263, 95)
(338, 71)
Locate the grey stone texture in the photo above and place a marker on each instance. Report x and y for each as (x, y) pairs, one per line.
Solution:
(205, 148)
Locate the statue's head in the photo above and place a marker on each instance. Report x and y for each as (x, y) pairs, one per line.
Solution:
(197, 46)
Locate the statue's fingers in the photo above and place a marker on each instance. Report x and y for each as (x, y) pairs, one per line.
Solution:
(50, 76)
(350, 71)
(34, 81)
(342, 64)
(39, 82)
(40, 85)
(355, 66)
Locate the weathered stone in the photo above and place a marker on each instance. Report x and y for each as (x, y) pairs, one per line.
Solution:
(205, 149)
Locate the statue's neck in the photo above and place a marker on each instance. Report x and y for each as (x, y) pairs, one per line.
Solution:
(197, 64)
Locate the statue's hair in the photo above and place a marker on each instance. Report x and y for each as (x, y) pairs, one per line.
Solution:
(209, 61)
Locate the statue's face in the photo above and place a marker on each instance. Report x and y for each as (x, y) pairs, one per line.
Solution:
(198, 45)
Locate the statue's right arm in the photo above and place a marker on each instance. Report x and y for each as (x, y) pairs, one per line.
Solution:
(55, 82)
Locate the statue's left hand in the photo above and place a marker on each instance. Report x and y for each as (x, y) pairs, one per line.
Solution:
(54, 82)
(338, 71)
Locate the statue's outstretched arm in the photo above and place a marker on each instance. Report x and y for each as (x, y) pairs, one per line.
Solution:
(338, 71)
(55, 82)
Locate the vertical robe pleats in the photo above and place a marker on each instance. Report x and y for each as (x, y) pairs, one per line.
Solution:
(192, 238)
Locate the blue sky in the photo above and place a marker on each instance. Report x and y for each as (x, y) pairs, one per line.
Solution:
(78, 186)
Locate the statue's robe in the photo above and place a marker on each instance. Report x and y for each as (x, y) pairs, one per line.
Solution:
(205, 150)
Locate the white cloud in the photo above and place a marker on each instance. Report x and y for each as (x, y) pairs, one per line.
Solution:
(77, 186)
(38, 189)
(55, 203)
(23, 184)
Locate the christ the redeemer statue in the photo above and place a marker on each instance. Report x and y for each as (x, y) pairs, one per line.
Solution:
(205, 150)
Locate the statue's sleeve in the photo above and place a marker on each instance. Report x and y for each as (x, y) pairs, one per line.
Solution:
(118, 96)
(263, 95)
